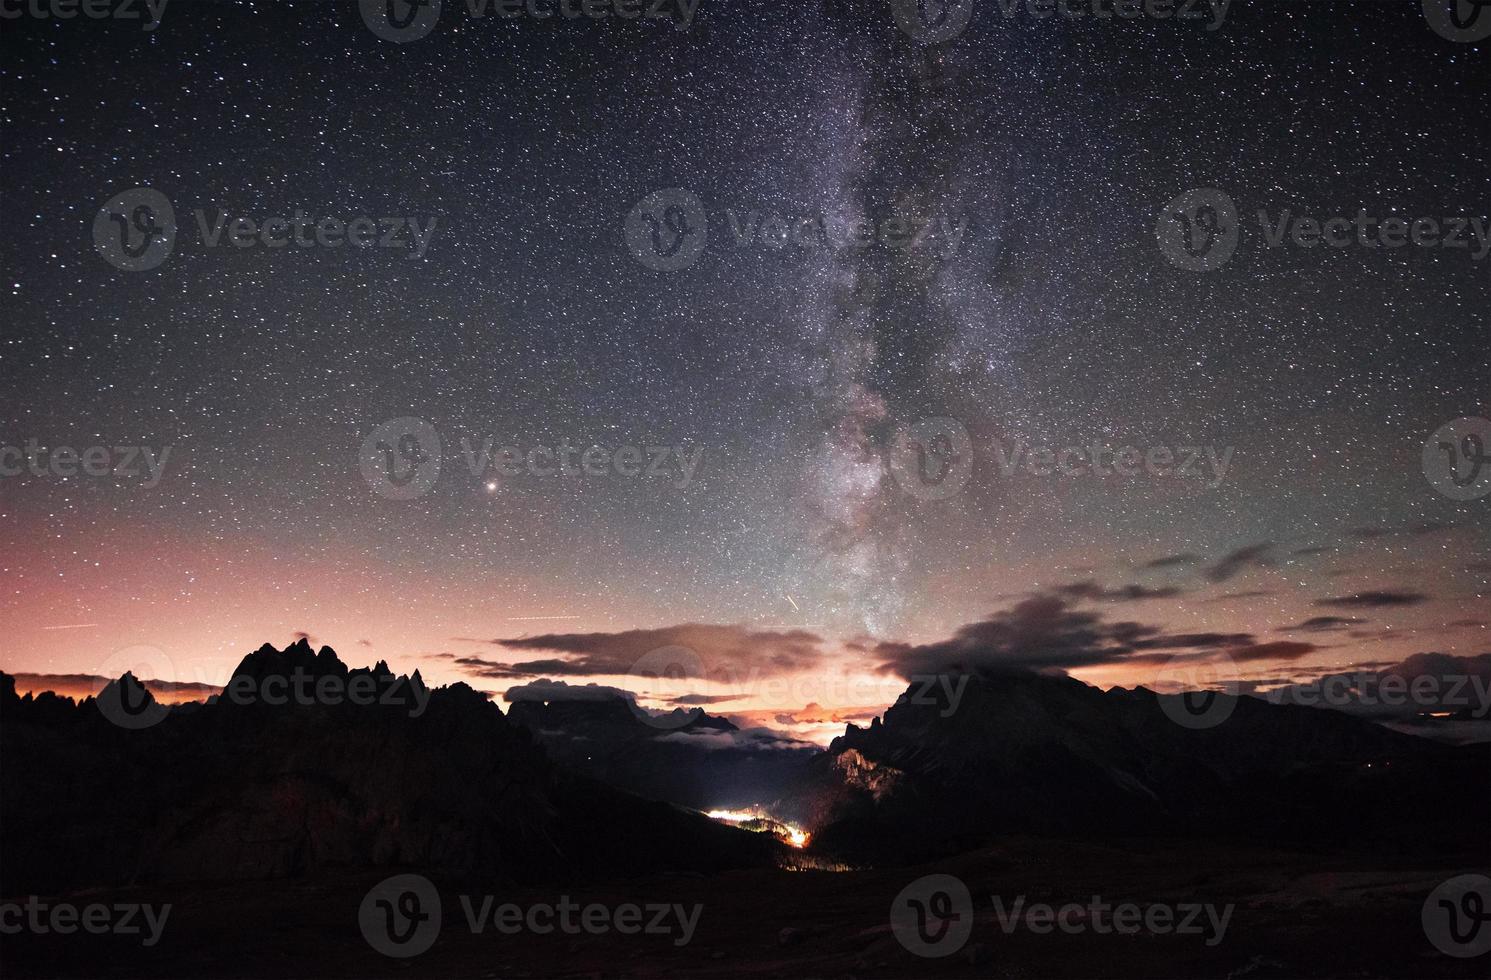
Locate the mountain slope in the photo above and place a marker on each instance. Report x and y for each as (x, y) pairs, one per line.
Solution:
(239, 788)
(1049, 755)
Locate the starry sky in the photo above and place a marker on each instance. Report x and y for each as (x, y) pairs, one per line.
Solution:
(1032, 159)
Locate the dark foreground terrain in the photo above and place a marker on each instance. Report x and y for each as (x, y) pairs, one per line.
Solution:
(1296, 915)
(347, 839)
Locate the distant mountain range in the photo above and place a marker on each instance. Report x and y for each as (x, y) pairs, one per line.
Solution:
(441, 779)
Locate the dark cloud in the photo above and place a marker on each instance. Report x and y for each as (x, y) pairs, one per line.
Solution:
(1279, 650)
(743, 740)
(1037, 633)
(500, 670)
(1173, 561)
(1196, 641)
(1123, 593)
(1235, 596)
(1254, 555)
(701, 699)
(1374, 599)
(1046, 633)
(544, 689)
(722, 652)
(1322, 624)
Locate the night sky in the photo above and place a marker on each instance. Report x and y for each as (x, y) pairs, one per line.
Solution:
(1041, 310)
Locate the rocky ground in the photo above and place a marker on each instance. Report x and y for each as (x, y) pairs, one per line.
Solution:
(1295, 915)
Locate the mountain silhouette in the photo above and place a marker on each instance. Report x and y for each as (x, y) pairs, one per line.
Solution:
(259, 783)
(1035, 754)
(262, 782)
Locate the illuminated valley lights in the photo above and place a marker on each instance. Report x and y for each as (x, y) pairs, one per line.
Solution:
(761, 822)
